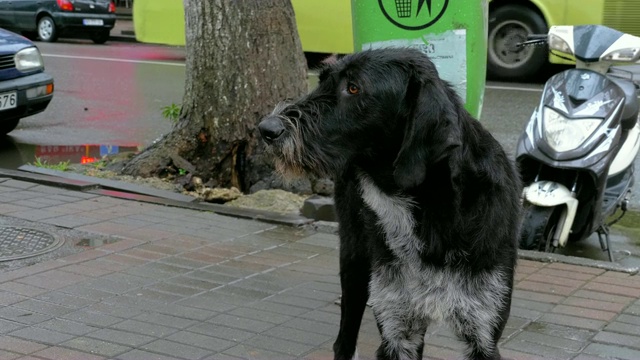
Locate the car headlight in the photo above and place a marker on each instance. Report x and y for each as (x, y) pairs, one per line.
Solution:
(29, 59)
(564, 134)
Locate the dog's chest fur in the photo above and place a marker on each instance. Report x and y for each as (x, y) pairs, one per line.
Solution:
(425, 291)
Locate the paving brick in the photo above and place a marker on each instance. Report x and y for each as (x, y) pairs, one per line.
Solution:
(143, 355)
(22, 289)
(56, 353)
(53, 279)
(540, 287)
(312, 326)
(279, 345)
(20, 346)
(584, 312)
(251, 313)
(555, 280)
(44, 307)
(575, 268)
(193, 283)
(6, 355)
(92, 318)
(278, 308)
(209, 301)
(85, 270)
(322, 316)
(151, 295)
(525, 313)
(560, 331)
(8, 298)
(42, 336)
(184, 262)
(121, 337)
(618, 339)
(143, 254)
(202, 341)
(252, 352)
(175, 289)
(532, 305)
(299, 336)
(629, 281)
(165, 320)
(572, 275)
(539, 349)
(289, 298)
(93, 295)
(221, 332)
(620, 327)
(97, 347)
(601, 296)
(115, 310)
(549, 340)
(594, 304)
(22, 316)
(573, 321)
(540, 297)
(7, 326)
(629, 319)
(612, 351)
(176, 350)
(67, 327)
(144, 328)
(241, 323)
(517, 355)
(613, 289)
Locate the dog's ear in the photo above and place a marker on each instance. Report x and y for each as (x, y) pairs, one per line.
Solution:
(432, 128)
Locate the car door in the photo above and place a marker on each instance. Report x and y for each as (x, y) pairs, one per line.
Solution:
(6, 13)
(25, 14)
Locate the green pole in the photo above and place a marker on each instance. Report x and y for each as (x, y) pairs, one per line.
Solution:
(452, 32)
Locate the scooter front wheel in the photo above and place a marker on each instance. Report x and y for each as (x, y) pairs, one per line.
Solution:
(539, 226)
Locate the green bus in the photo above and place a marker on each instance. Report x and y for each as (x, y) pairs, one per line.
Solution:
(325, 26)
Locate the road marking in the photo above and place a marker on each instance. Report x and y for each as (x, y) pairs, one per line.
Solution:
(114, 60)
(516, 88)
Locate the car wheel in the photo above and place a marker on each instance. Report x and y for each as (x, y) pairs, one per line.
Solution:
(509, 25)
(6, 126)
(100, 37)
(47, 30)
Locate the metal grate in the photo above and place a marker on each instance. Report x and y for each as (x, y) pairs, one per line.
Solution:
(18, 243)
(622, 15)
(6, 62)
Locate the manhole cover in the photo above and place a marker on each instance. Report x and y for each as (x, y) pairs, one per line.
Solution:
(18, 243)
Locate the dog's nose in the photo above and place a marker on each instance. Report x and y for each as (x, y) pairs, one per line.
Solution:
(271, 128)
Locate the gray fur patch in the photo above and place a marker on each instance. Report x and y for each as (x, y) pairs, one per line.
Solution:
(406, 295)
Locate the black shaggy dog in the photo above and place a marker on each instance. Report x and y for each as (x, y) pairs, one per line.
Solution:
(427, 200)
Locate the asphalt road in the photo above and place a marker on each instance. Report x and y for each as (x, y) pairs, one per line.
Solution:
(106, 94)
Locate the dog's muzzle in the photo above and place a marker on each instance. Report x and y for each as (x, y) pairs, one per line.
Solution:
(271, 128)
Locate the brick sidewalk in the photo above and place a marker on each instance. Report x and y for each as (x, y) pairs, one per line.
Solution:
(174, 283)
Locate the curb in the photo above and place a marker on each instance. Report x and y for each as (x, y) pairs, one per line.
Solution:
(122, 190)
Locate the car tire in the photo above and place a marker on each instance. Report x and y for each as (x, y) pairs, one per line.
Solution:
(100, 37)
(47, 30)
(508, 26)
(6, 126)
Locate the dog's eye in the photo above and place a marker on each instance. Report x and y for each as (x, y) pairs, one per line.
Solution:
(353, 89)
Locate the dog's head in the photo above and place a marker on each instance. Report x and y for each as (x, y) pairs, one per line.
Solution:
(375, 105)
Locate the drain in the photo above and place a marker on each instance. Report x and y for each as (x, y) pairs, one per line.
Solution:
(19, 243)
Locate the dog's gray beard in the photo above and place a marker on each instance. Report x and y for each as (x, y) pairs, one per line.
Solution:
(293, 159)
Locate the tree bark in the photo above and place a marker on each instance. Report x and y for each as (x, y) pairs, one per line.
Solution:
(242, 58)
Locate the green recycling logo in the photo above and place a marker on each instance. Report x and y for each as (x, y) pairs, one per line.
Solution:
(413, 14)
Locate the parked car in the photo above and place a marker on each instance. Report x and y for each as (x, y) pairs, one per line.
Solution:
(49, 19)
(25, 89)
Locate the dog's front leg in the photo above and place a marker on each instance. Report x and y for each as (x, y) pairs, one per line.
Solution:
(354, 280)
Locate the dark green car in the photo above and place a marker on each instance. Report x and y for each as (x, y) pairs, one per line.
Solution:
(48, 19)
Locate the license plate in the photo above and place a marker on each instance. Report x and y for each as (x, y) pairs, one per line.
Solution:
(8, 100)
(93, 22)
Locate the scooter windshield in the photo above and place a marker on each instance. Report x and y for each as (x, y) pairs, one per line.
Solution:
(591, 41)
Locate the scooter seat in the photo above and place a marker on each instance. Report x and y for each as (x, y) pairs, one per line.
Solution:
(631, 107)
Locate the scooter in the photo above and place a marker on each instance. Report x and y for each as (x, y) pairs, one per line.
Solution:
(577, 151)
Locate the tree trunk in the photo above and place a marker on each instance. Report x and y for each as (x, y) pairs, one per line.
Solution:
(242, 58)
